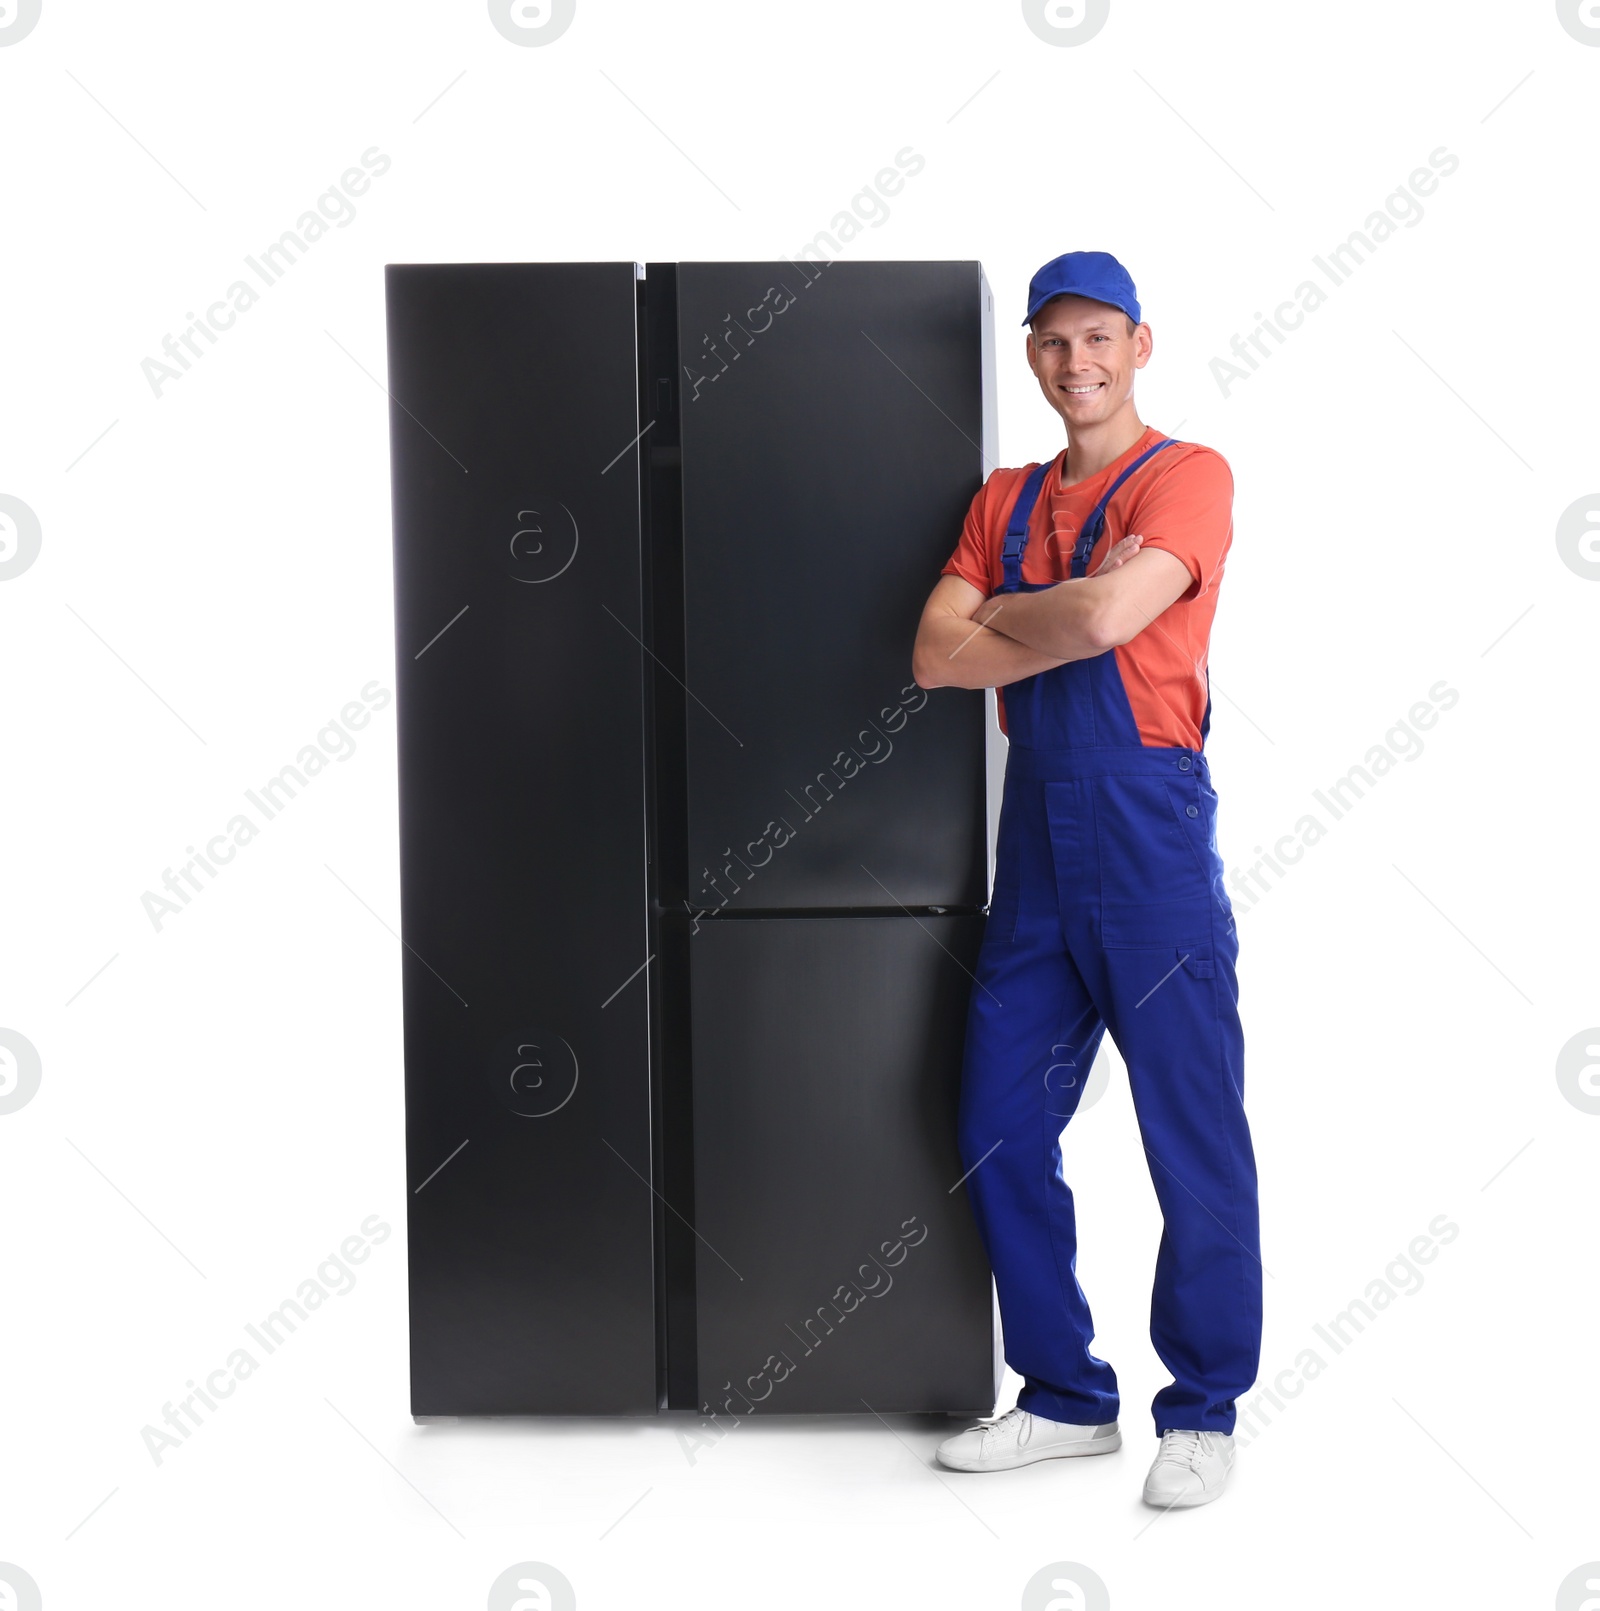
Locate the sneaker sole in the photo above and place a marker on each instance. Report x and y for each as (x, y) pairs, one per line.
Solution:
(1064, 1451)
(1189, 1501)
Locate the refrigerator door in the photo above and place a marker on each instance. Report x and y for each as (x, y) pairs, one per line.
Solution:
(522, 836)
(832, 428)
(839, 1267)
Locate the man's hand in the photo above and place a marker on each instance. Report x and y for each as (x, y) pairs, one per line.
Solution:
(1119, 553)
(1087, 615)
(968, 641)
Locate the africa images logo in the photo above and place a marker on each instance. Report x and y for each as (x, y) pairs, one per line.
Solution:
(1577, 537)
(1581, 19)
(20, 536)
(18, 1591)
(1066, 22)
(532, 22)
(18, 18)
(532, 1586)
(1066, 1586)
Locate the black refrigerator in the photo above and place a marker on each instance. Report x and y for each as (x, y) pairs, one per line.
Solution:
(693, 876)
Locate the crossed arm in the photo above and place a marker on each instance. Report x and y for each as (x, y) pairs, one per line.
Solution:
(966, 640)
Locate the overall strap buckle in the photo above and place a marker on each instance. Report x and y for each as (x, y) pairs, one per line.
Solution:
(1090, 534)
(1016, 539)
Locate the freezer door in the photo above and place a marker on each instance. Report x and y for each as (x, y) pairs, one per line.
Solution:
(839, 1266)
(522, 836)
(831, 421)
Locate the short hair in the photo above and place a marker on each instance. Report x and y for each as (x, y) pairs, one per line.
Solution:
(1132, 326)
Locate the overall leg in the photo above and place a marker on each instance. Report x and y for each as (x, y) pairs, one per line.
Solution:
(1180, 1037)
(1163, 976)
(1032, 1034)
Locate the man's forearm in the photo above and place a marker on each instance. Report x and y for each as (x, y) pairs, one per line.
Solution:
(954, 653)
(1066, 621)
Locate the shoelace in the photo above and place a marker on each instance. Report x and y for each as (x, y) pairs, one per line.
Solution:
(1003, 1424)
(1185, 1448)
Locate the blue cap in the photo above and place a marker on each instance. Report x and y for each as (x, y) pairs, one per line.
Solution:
(1096, 275)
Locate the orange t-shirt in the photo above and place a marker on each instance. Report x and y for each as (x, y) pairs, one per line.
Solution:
(1180, 500)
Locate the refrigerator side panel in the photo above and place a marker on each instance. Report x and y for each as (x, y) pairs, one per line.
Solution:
(995, 746)
(836, 1263)
(832, 422)
(522, 837)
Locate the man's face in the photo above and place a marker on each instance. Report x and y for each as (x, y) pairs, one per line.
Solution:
(1084, 358)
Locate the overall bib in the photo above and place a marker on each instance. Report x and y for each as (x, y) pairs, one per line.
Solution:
(1109, 912)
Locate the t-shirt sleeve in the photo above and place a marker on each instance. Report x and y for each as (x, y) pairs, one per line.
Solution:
(1188, 511)
(971, 561)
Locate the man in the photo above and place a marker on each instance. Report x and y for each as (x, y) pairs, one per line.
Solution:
(1082, 591)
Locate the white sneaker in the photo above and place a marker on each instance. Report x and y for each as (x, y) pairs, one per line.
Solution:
(1018, 1438)
(1190, 1468)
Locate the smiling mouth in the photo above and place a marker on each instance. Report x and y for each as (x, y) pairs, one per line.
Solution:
(1084, 391)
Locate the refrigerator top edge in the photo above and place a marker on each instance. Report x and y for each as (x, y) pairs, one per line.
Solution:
(639, 269)
(832, 262)
(523, 262)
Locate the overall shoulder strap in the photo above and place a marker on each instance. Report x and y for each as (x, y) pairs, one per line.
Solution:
(1017, 528)
(1090, 534)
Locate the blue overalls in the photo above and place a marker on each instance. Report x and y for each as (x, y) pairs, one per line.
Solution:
(1109, 912)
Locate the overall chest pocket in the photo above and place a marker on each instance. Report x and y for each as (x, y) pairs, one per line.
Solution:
(1153, 839)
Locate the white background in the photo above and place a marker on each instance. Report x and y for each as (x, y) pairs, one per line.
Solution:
(220, 1103)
